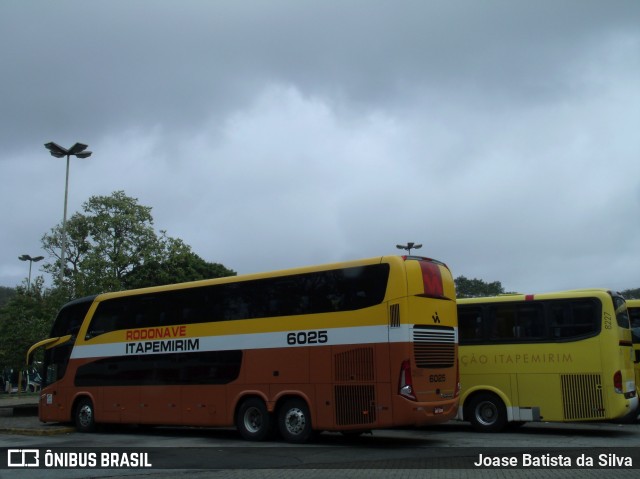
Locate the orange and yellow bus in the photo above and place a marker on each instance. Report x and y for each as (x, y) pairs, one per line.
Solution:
(345, 347)
(561, 357)
(633, 305)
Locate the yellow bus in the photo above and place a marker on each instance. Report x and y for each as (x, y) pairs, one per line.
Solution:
(633, 305)
(561, 357)
(348, 347)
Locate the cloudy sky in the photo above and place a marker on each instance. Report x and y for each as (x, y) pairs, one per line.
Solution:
(502, 135)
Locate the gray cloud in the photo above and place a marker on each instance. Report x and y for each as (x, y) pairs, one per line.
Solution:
(275, 134)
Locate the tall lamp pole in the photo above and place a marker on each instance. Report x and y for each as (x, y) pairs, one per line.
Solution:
(31, 260)
(409, 246)
(78, 150)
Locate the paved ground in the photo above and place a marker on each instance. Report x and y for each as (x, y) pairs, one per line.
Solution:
(10, 400)
(19, 415)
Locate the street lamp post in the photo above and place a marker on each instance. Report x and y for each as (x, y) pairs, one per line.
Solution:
(77, 150)
(31, 260)
(409, 246)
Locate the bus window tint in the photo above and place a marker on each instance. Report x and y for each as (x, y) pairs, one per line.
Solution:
(503, 323)
(470, 324)
(634, 318)
(70, 318)
(526, 321)
(530, 323)
(622, 315)
(571, 319)
(345, 289)
(517, 321)
(56, 360)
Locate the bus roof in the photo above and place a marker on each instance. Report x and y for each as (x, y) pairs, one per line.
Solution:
(511, 297)
(270, 274)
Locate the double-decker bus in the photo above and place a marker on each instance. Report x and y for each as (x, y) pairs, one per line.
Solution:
(633, 305)
(562, 357)
(345, 347)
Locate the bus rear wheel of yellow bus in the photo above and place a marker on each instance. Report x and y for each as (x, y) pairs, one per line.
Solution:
(486, 412)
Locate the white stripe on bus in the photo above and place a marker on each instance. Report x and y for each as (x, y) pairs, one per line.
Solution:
(280, 339)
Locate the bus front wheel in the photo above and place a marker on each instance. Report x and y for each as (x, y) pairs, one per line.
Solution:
(253, 420)
(294, 421)
(84, 416)
(487, 413)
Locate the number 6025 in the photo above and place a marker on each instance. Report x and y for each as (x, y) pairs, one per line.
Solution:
(307, 337)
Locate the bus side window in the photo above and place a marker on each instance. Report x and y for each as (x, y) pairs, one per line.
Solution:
(74, 326)
(583, 318)
(634, 317)
(570, 319)
(530, 323)
(470, 325)
(102, 322)
(504, 324)
(622, 313)
(558, 314)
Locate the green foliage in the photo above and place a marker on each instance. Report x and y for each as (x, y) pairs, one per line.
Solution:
(6, 294)
(631, 293)
(112, 246)
(112, 236)
(473, 288)
(26, 319)
(175, 263)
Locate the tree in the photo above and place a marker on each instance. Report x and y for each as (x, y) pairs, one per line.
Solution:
(631, 293)
(112, 245)
(6, 294)
(105, 243)
(24, 320)
(175, 263)
(473, 288)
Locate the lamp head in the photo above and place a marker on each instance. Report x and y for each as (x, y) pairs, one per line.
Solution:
(56, 150)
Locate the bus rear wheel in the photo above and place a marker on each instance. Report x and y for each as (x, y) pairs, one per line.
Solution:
(294, 421)
(487, 413)
(84, 416)
(253, 420)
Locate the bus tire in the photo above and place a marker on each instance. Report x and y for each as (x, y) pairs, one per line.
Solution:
(486, 412)
(253, 420)
(294, 421)
(84, 416)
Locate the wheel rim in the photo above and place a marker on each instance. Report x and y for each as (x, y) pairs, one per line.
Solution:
(486, 413)
(295, 421)
(253, 420)
(85, 416)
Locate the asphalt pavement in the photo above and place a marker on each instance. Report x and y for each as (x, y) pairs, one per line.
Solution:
(19, 415)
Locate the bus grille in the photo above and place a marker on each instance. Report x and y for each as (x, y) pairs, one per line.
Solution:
(354, 365)
(582, 396)
(355, 405)
(394, 316)
(434, 347)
